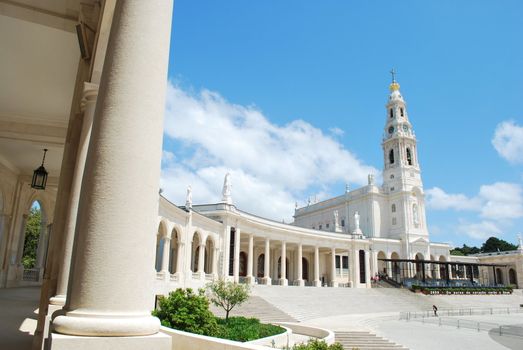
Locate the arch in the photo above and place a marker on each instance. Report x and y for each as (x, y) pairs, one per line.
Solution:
(173, 252)
(402, 112)
(409, 156)
(209, 255)
(391, 156)
(382, 265)
(498, 279)
(286, 268)
(161, 240)
(243, 264)
(391, 113)
(35, 239)
(261, 265)
(395, 265)
(304, 269)
(195, 250)
(512, 277)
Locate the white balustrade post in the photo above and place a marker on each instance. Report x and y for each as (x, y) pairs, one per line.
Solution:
(317, 281)
(236, 266)
(111, 281)
(267, 262)
(334, 282)
(250, 258)
(283, 270)
(299, 280)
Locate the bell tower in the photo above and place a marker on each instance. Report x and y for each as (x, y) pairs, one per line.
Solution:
(401, 172)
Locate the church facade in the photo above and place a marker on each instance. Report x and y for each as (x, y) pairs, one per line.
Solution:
(337, 242)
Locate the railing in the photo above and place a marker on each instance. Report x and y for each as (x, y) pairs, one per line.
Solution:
(460, 312)
(344, 285)
(209, 277)
(31, 275)
(195, 275)
(159, 275)
(174, 278)
(309, 284)
(495, 328)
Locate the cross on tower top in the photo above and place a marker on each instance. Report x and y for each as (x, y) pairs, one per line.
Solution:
(393, 73)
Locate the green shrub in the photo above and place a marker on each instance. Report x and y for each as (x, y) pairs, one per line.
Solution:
(315, 344)
(245, 329)
(186, 311)
(227, 294)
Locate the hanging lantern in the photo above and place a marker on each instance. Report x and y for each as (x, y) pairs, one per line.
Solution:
(40, 176)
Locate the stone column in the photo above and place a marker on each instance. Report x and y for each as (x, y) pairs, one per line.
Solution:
(300, 281)
(283, 279)
(356, 268)
(250, 257)
(334, 283)
(201, 260)
(165, 257)
(267, 264)
(112, 274)
(236, 267)
(90, 95)
(317, 282)
(389, 269)
(367, 269)
(179, 258)
(215, 262)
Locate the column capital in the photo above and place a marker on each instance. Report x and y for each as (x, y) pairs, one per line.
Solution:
(89, 94)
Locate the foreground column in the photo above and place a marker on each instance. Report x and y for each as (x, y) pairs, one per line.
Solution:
(283, 270)
(356, 268)
(334, 283)
(266, 267)
(317, 282)
(250, 257)
(300, 281)
(88, 104)
(110, 289)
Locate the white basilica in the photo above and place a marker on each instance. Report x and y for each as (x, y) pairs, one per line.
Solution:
(336, 242)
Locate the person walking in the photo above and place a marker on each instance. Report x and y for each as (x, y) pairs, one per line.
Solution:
(435, 309)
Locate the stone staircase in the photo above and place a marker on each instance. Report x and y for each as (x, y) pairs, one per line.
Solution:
(365, 341)
(256, 307)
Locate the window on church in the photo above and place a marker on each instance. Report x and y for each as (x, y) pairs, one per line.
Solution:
(319, 228)
(391, 113)
(326, 225)
(391, 156)
(313, 227)
(345, 262)
(394, 208)
(394, 222)
(401, 112)
(409, 156)
(342, 222)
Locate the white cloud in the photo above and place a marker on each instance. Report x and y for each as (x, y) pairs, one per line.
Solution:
(508, 141)
(479, 230)
(440, 200)
(501, 201)
(271, 165)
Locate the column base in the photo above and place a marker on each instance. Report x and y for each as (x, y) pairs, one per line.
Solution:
(57, 300)
(157, 341)
(250, 280)
(299, 283)
(267, 281)
(317, 283)
(284, 282)
(334, 284)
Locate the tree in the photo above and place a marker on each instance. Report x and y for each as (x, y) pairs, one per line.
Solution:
(187, 311)
(228, 294)
(465, 250)
(31, 237)
(494, 244)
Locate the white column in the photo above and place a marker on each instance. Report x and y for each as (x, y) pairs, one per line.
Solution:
(179, 259)
(356, 268)
(317, 281)
(250, 257)
(283, 279)
(111, 282)
(300, 281)
(215, 262)
(334, 283)
(375, 265)
(367, 268)
(389, 269)
(89, 98)
(267, 262)
(165, 257)
(236, 267)
(201, 260)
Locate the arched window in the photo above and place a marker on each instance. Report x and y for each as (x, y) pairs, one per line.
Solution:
(409, 156)
(512, 277)
(394, 208)
(391, 156)
(401, 112)
(391, 113)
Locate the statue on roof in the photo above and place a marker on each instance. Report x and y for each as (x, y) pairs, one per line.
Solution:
(188, 198)
(226, 191)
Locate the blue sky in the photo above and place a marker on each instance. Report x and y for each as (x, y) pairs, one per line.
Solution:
(289, 97)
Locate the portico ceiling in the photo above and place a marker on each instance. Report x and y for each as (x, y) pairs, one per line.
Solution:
(38, 68)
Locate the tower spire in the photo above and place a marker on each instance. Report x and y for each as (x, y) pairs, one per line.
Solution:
(393, 73)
